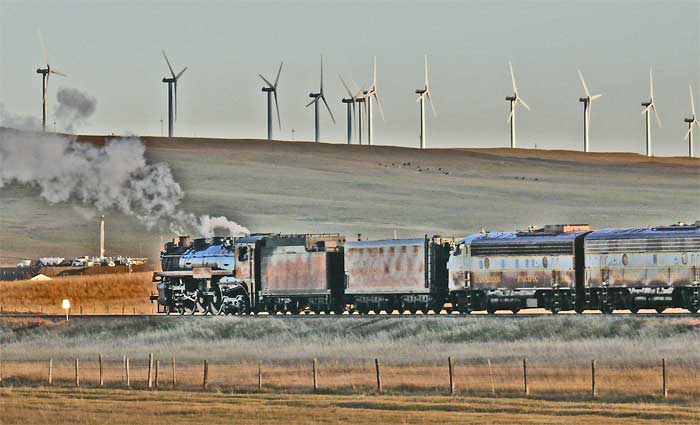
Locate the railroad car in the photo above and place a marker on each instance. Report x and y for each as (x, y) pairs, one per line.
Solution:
(643, 268)
(536, 268)
(403, 274)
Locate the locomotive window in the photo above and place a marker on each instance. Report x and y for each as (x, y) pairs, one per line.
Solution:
(487, 263)
(243, 253)
(392, 250)
(625, 259)
(381, 250)
(545, 262)
(654, 259)
(517, 263)
(684, 258)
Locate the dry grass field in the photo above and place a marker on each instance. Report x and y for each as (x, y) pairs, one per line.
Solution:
(374, 190)
(96, 294)
(88, 406)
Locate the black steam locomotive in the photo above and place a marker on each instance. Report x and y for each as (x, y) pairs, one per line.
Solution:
(557, 267)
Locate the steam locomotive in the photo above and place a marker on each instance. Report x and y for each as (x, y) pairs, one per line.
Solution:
(556, 267)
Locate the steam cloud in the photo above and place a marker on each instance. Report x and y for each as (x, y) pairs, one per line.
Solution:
(74, 108)
(114, 176)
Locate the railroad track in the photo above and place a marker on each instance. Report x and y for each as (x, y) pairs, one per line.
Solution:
(60, 317)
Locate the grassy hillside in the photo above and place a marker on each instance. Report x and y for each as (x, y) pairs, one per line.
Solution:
(307, 187)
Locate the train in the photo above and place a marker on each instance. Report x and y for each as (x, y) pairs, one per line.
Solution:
(563, 267)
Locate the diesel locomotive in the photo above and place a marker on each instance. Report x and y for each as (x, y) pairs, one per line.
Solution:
(556, 267)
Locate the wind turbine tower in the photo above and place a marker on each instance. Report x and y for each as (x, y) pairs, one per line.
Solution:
(45, 73)
(422, 94)
(514, 101)
(172, 95)
(587, 101)
(692, 120)
(316, 97)
(350, 102)
(368, 94)
(647, 106)
(271, 89)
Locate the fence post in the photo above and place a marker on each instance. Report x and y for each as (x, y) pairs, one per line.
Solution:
(315, 375)
(593, 389)
(123, 310)
(205, 378)
(156, 377)
(50, 371)
(102, 382)
(664, 377)
(526, 387)
(150, 370)
(493, 385)
(379, 377)
(259, 374)
(81, 310)
(128, 380)
(123, 369)
(172, 363)
(452, 382)
(77, 372)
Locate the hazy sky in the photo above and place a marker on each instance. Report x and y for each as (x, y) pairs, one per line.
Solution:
(111, 50)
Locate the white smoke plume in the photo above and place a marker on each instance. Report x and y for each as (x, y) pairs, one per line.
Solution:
(8, 119)
(115, 176)
(74, 108)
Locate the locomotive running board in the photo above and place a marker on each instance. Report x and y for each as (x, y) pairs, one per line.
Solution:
(203, 273)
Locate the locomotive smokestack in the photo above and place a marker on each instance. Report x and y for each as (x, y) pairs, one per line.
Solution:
(102, 237)
(184, 241)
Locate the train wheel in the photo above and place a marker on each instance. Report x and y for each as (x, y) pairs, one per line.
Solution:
(181, 310)
(166, 309)
(579, 311)
(634, 309)
(515, 310)
(490, 310)
(607, 310)
(660, 310)
(555, 310)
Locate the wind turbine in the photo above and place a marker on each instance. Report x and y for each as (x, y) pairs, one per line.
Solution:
(45, 72)
(586, 111)
(350, 102)
(692, 120)
(647, 106)
(514, 101)
(172, 95)
(368, 94)
(422, 94)
(316, 97)
(272, 88)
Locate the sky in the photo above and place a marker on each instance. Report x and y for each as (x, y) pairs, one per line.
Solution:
(112, 51)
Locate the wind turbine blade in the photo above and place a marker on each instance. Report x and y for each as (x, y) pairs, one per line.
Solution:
(651, 86)
(44, 50)
(312, 102)
(645, 110)
(420, 97)
(321, 90)
(430, 99)
(175, 100)
(692, 101)
(279, 71)
(53, 71)
(346, 86)
(269, 84)
(689, 132)
(522, 102)
(512, 77)
(379, 103)
(596, 96)
(181, 72)
(328, 107)
(168, 62)
(277, 106)
(510, 116)
(374, 74)
(585, 87)
(656, 114)
(426, 70)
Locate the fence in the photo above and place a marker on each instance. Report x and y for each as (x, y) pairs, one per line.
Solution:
(592, 380)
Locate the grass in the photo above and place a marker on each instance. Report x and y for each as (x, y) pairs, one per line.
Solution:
(100, 294)
(85, 406)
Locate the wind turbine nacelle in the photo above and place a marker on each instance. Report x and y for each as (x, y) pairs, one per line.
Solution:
(314, 95)
(511, 98)
(645, 104)
(583, 99)
(689, 120)
(420, 91)
(267, 89)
